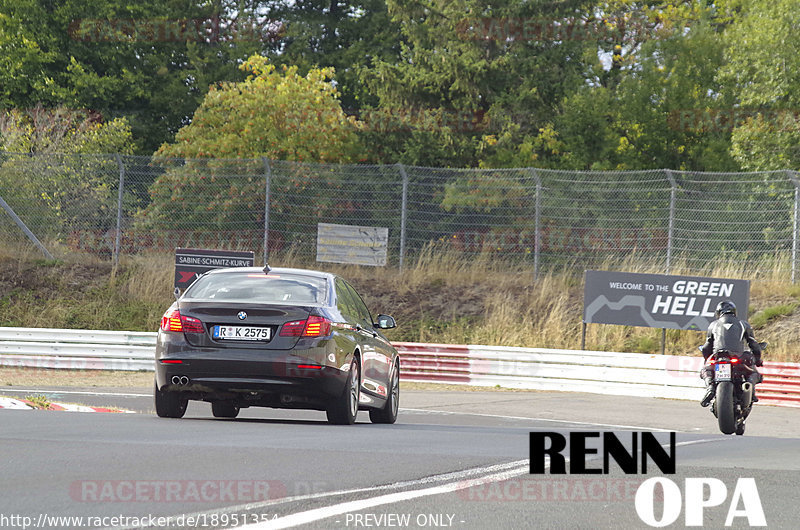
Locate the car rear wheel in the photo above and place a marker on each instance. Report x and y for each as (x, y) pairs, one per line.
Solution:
(344, 409)
(224, 409)
(388, 414)
(169, 404)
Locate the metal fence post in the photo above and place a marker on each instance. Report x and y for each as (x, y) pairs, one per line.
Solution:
(120, 193)
(672, 193)
(403, 208)
(795, 213)
(267, 181)
(794, 236)
(4, 205)
(537, 235)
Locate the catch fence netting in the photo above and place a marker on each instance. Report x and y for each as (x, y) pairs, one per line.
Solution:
(112, 205)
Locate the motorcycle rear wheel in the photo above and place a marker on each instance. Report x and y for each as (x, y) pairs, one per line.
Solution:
(726, 416)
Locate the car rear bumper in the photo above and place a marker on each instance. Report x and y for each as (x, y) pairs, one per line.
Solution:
(303, 377)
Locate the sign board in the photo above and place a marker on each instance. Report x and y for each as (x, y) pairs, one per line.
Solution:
(658, 300)
(192, 262)
(360, 245)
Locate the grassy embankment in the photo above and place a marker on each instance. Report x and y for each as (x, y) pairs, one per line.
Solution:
(437, 298)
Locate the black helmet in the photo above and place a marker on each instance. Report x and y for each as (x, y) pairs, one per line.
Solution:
(726, 307)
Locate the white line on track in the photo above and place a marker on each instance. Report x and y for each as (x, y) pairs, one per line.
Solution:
(570, 422)
(472, 474)
(454, 481)
(425, 411)
(84, 393)
(309, 516)
(702, 441)
(325, 512)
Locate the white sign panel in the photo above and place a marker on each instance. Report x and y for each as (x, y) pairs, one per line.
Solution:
(360, 245)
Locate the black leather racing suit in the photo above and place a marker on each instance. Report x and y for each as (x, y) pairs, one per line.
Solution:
(731, 334)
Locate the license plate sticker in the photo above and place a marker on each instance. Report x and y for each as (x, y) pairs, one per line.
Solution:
(240, 333)
(723, 372)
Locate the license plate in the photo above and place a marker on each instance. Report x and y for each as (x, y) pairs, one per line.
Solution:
(722, 372)
(240, 333)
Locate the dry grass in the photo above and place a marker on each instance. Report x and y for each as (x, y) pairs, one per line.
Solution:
(439, 297)
(453, 300)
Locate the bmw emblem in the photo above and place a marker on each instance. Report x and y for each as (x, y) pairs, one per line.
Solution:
(242, 315)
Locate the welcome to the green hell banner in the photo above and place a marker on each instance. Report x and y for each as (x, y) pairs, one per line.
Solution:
(658, 300)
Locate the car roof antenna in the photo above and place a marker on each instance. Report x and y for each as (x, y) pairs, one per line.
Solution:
(267, 268)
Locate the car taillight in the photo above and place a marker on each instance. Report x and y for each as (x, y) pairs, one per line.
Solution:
(191, 325)
(174, 321)
(171, 321)
(315, 326)
(293, 329)
(734, 359)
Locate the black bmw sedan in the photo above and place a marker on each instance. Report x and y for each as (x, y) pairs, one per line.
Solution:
(284, 338)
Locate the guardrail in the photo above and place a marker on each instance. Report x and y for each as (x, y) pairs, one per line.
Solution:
(77, 349)
(626, 374)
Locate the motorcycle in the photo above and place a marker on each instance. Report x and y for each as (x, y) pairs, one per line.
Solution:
(733, 396)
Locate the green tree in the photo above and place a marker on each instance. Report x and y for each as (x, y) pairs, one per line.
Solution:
(480, 70)
(659, 112)
(763, 69)
(346, 35)
(149, 61)
(643, 102)
(275, 114)
(51, 173)
(42, 130)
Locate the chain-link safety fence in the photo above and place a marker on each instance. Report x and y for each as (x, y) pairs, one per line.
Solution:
(111, 205)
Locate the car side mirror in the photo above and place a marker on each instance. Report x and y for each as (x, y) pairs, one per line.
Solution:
(385, 322)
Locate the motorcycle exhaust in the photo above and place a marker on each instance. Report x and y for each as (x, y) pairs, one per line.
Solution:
(747, 394)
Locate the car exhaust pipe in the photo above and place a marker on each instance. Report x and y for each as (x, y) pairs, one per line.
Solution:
(747, 394)
(181, 380)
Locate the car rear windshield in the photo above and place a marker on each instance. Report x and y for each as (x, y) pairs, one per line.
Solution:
(259, 287)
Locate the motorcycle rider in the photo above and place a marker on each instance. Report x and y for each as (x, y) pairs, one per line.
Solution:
(729, 333)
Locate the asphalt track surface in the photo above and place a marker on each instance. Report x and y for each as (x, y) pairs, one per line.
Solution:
(453, 460)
